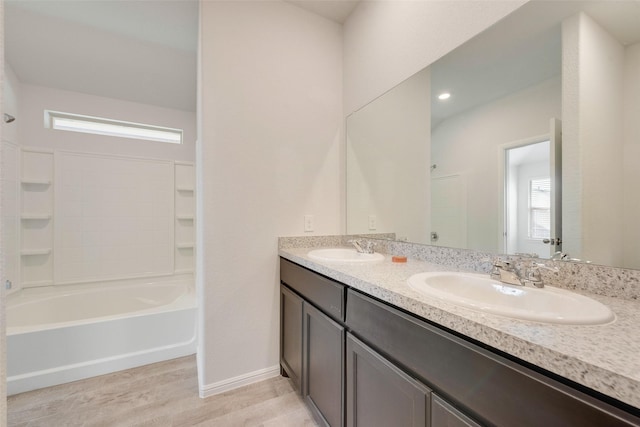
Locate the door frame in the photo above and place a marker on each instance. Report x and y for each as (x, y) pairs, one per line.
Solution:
(502, 175)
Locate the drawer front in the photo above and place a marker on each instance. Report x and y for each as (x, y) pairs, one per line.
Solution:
(495, 390)
(326, 294)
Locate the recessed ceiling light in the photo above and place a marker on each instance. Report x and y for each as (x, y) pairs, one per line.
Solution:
(443, 96)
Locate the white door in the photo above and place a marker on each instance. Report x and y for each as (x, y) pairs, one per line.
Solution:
(533, 194)
(449, 211)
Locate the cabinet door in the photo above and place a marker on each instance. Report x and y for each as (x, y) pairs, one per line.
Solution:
(445, 415)
(291, 335)
(379, 394)
(323, 366)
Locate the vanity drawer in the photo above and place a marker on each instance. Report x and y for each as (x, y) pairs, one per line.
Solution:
(324, 293)
(489, 387)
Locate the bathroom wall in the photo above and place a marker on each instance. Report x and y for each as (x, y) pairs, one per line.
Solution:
(271, 147)
(271, 141)
(387, 41)
(35, 99)
(480, 132)
(9, 171)
(593, 67)
(631, 129)
(11, 87)
(3, 328)
(116, 212)
(387, 151)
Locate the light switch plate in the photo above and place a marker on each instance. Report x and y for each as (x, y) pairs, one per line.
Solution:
(308, 223)
(372, 222)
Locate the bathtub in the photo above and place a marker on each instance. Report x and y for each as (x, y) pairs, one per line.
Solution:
(73, 332)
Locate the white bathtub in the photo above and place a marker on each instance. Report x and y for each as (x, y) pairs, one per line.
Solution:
(73, 332)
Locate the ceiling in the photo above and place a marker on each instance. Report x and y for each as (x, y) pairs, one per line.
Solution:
(335, 10)
(146, 50)
(520, 52)
(142, 51)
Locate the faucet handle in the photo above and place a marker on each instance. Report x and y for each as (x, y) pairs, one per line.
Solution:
(544, 267)
(533, 276)
(369, 246)
(502, 263)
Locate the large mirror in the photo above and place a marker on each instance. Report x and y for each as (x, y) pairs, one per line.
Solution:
(535, 150)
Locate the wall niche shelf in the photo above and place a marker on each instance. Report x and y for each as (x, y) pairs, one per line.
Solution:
(35, 217)
(185, 217)
(29, 181)
(34, 252)
(36, 214)
(36, 284)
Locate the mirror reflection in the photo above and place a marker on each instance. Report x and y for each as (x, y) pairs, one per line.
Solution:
(532, 150)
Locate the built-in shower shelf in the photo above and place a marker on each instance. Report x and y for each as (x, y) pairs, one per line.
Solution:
(30, 252)
(35, 216)
(185, 189)
(185, 245)
(35, 284)
(29, 181)
(185, 217)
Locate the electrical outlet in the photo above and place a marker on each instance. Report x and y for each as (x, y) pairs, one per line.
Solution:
(372, 222)
(308, 223)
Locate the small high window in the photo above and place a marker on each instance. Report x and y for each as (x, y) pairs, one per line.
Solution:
(101, 126)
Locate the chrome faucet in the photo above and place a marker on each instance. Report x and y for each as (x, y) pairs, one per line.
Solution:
(363, 246)
(505, 272)
(525, 274)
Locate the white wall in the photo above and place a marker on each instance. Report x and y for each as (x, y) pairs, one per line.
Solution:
(479, 133)
(271, 144)
(388, 154)
(571, 171)
(9, 175)
(593, 65)
(3, 335)
(631, 126)
(32, 133)
(11, 87)
(387, 41)
(271, 147)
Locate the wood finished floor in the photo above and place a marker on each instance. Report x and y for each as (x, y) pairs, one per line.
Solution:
(162, 394)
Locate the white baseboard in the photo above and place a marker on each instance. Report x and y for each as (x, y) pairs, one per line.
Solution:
(239, 381)
(79, 371)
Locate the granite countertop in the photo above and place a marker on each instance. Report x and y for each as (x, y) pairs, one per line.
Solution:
(605, 358)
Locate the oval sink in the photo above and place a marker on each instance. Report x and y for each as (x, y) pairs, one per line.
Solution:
(344, 255)
(479, 292)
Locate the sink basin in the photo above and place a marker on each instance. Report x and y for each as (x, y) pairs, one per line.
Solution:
(479, 292)
(344, 255)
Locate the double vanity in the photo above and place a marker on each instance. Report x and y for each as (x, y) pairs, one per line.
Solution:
(370, 342)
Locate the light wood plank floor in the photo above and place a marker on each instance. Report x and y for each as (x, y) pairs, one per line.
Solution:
(162, 394)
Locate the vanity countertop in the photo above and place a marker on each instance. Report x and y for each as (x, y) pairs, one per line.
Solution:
(605, 358)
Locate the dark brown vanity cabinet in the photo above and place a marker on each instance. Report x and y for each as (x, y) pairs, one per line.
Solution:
(291, 335)
(380, 394)
(445, 415)
(485, 387)
(312, 339)
(402, 370)
(323, 361)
